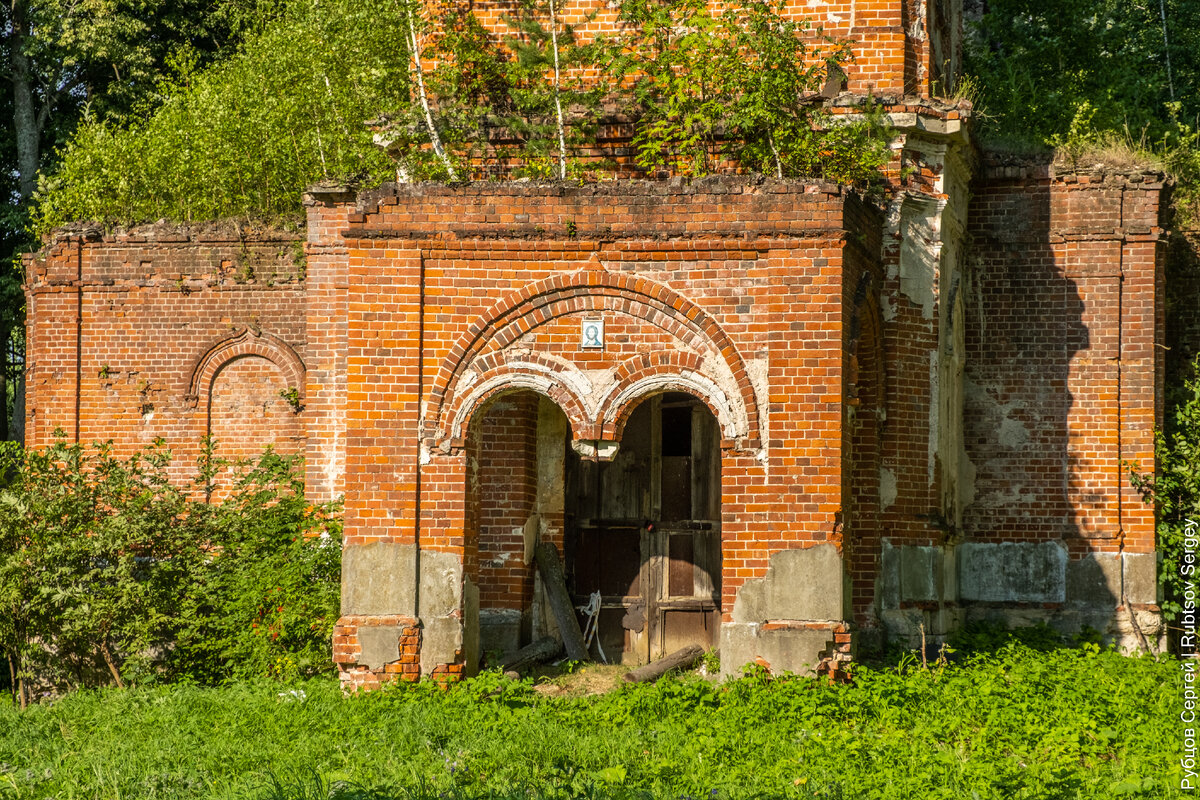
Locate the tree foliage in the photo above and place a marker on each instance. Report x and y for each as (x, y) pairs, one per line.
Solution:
(111, 572)
(731, 87)
(1078, 74)
(247, 135)
(1046, 65)
(244, 137)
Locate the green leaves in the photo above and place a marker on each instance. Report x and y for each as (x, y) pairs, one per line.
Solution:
(708, 90)
(245, 137)
(1175, 490)
(110, 572)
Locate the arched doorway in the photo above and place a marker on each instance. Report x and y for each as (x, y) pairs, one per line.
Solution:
(643, 530)
(516, 448)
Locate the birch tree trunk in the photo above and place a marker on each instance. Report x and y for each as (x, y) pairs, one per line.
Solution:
(562, 141)
(434, 139)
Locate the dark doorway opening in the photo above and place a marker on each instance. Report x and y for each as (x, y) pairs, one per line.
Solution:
(644, 531)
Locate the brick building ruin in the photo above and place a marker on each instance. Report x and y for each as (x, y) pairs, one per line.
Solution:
(760, 415)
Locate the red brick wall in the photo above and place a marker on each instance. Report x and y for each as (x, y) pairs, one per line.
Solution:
(132, 335)
(1063, 365)
(505, 492)
(720, 269)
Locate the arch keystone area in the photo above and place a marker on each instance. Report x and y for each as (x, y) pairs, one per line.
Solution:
(458, 385)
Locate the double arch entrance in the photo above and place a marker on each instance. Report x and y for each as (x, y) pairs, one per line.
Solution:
(640, 528)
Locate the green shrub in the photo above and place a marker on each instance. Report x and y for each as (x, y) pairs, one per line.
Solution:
(1175, 490)
(244, 137)
(112, 572)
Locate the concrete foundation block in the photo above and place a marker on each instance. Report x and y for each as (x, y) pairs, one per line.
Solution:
(920, 574)
(784, 650)
(1141, 577)
(441, 642)
(379, 579)
(441, 584)
(380, 645)
(1013, 572)
(806, 584)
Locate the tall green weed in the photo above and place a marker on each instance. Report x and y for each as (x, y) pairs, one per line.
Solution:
(111, 572)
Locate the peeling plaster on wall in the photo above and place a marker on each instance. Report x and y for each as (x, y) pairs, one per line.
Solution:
(887, 306)
(1009, 432)
(335, 459)
(602, 381)
(565, 370)
(537, 383)
(1012, 434)
(444, 597)
(920, 250)
(758, 369)
(887, 488)
(917, 29)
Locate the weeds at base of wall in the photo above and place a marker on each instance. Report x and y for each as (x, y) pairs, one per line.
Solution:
(1013, 721)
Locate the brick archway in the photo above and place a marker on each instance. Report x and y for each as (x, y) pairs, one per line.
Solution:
(591, 289)
(532, 372)
(671, 371)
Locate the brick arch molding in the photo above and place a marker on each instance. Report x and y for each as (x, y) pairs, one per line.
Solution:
(531, 371)
(562, 294)
(242, 343)
(670, 371)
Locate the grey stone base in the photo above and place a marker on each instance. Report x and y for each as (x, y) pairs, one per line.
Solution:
(784, 650)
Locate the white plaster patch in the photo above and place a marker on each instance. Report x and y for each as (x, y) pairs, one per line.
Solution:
(920, 251)
(1012, 434)
(887, 488)
(887, 304)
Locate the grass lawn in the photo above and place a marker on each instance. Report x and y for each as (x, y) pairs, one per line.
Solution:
(1013, 723)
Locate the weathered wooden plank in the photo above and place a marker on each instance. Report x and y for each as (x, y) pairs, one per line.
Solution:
(551, 570)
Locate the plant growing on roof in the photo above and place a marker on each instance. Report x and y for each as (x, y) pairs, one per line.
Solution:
(553, 110)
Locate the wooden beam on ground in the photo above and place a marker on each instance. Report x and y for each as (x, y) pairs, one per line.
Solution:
(684, 658)
(551, 570)
(543, 649)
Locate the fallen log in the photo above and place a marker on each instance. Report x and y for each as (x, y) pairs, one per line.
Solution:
(551, 570)
(682, 658)
(543, 649)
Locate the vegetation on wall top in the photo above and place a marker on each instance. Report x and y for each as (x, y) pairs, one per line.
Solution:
(245, 136)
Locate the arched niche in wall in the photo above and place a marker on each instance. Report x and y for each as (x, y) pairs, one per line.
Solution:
(249, 387)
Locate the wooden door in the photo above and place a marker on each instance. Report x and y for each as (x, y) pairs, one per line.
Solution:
(644, 531)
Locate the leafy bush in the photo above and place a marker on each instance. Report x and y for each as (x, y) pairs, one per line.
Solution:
(1175, 489)
(245, 137)
(109, 571)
